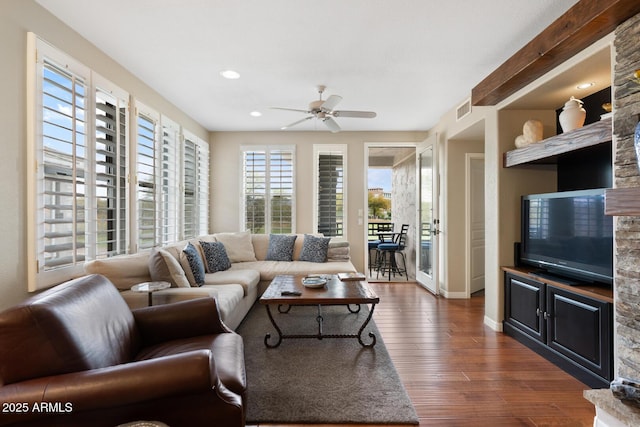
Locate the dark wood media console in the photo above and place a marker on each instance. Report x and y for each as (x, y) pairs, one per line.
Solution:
(570, 325)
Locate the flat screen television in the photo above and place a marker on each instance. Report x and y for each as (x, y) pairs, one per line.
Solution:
(567, 234)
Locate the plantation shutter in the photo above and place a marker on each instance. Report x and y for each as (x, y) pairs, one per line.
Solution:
(255, 190)
(268, 189)
(111, 192)
(190, 203)
(330, 194)
(146, 186)
(203, 187)
(196, 187)
(170, 182)
(281, 191)
(61, 194)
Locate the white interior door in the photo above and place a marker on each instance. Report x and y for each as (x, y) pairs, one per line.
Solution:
(475, 222)
(428, 222)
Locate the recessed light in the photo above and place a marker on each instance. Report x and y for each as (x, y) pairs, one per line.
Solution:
(255, 114)
(584, 85)
(230, 74)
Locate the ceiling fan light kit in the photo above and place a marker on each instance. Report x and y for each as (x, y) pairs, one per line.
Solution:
(324, 110)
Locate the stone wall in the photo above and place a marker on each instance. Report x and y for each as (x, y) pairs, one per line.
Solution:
(403, 207)
(627, 274)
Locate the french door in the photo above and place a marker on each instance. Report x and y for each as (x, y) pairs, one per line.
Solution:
(428, 230)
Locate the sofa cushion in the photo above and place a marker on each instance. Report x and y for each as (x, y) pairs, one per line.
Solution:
(260, 246)
(248, 279)
(227, 297)
(215, 256)
(168, 296)
(281, 247)
(163, 267)
(237, 245)
(123, 271)
(270, 269)
(194, 264)
(314, 249)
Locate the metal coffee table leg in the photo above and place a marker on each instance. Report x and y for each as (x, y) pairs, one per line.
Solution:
(320, 335)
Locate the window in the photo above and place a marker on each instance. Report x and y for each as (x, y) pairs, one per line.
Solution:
(330, 174)
(172, 181)
(82, 203)
(196, 187)
(111, 196)
(79, 147)
(170, 167)
(268, 189)
(146, 177)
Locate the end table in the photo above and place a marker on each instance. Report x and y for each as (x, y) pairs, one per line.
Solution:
(150, 288)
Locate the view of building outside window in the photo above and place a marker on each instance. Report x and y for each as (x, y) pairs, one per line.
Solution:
(379, 201)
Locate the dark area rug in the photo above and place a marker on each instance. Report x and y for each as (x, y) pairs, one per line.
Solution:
(320, 381)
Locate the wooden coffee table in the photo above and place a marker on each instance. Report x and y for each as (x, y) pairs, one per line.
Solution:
(335, 292)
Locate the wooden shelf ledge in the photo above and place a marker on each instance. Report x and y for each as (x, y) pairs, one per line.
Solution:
(622, 201)
(586, 136)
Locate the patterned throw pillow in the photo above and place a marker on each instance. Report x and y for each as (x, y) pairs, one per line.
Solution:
(314, 249)
(195, 262)
(281, 247)
(215, 256)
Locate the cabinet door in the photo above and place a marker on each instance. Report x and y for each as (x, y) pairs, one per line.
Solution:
(524, 305)
(580, 328)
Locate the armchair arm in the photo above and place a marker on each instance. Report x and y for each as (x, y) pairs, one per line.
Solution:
(182, 319)
(121, 385)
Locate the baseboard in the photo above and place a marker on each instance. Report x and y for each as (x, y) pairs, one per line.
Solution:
(453, 295)
(496, 326)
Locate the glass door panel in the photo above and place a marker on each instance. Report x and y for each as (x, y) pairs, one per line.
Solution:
(428, 230)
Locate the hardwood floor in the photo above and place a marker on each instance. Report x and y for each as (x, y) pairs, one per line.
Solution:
(459, 372)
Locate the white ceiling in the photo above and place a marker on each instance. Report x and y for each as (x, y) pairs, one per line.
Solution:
(408, 60)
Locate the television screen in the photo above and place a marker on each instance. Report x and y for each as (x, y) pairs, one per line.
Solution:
(568, 234)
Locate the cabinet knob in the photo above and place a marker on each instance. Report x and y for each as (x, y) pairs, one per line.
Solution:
(538, 312)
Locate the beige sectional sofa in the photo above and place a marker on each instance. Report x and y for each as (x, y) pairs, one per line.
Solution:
(236, 288)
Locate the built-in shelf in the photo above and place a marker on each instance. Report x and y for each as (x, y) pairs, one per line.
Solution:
(622, 201)
(546, 150)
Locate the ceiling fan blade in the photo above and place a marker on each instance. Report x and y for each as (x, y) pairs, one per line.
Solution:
(331, 124)
(297, 122)
(331, 102)
(289, 109)
(359, 114)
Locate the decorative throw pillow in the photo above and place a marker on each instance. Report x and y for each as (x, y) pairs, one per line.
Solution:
(238, 246)
(215, 256)
(195, 263)
(314, 249)
(281, 247)
(163, 267)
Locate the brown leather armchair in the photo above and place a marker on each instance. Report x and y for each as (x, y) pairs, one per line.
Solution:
(76, 355)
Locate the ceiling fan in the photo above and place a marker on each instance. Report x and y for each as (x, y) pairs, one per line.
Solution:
(324, 110)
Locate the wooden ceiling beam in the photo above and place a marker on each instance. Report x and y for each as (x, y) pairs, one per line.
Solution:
(579, 27)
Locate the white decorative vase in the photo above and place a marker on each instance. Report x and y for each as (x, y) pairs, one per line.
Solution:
(573, 115)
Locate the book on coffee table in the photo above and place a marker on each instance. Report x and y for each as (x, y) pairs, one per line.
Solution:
(346, 277)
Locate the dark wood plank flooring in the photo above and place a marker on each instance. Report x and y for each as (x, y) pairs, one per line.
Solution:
(459, 372)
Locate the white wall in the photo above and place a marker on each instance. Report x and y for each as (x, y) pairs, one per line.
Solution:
(17, 17)
(226, 179)
(455, 227)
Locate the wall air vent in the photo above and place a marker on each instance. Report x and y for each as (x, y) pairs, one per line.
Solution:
(463, 110)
